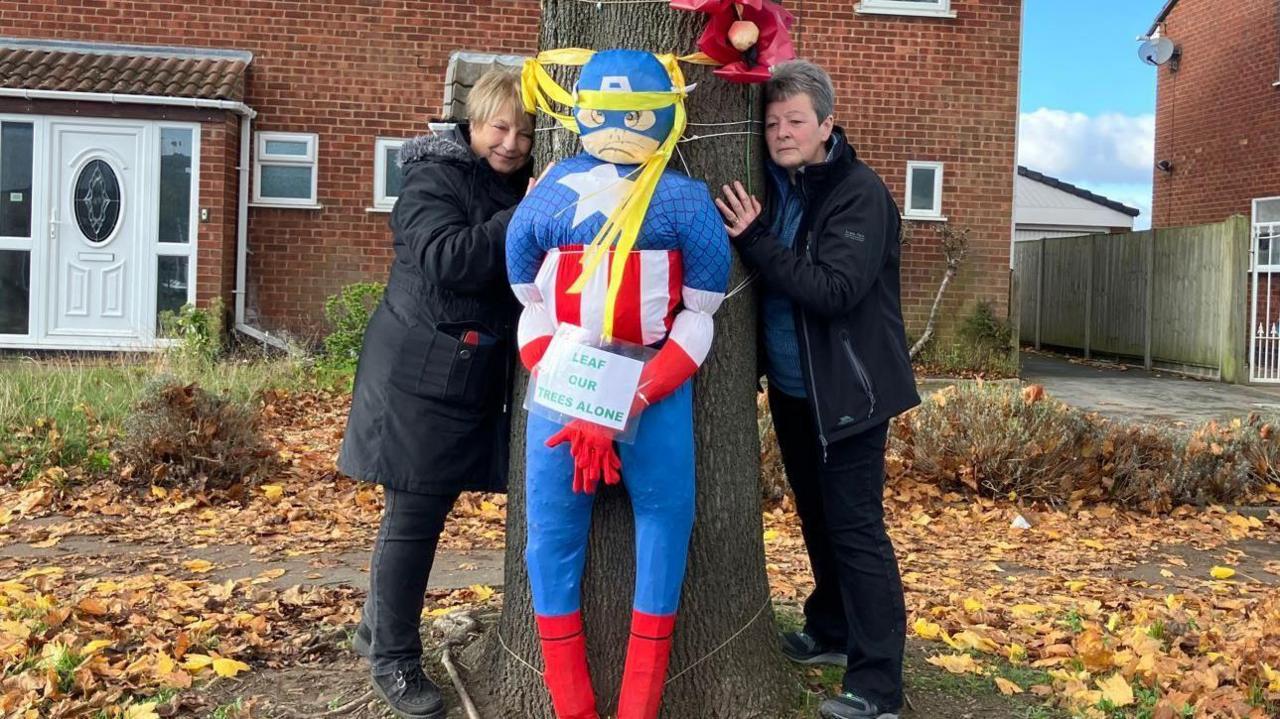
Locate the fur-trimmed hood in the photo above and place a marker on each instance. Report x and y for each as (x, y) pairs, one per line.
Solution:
(449, 143)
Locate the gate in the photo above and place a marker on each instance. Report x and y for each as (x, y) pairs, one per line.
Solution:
(1264, 322)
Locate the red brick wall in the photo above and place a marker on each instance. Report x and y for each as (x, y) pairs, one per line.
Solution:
(1218, 116)
(932, 89)
(216, 237)
(909, 89)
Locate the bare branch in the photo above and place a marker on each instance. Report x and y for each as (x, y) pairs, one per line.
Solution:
(955, 246)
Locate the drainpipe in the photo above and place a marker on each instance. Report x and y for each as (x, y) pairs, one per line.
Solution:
(242, 241)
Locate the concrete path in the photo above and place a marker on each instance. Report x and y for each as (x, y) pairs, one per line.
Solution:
(1123, 392)
(103, 556)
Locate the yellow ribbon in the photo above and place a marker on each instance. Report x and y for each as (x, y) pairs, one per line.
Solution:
(622, 228)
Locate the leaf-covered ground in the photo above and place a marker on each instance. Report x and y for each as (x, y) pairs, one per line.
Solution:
(147, 602)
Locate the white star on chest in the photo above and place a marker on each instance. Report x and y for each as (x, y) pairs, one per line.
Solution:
(601, 189)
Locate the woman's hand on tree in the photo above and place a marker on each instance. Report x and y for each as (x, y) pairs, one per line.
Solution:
(739, 208)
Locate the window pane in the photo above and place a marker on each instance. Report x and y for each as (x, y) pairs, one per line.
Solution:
(15, 179)
(97, 201)
(171, 286)
(286, 181)
(392, 171)
(15, 291)
(1268, 252)
(922, 189)
(175, 185)
(1268, 211)
(286, 147)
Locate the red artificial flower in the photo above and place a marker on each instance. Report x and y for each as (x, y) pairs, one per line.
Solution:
(747, 37)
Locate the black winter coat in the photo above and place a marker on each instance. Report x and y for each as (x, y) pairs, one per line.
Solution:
(842, 275)
(429, 411)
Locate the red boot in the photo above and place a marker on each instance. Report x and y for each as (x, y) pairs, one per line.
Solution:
(564, 654)
(646, 672)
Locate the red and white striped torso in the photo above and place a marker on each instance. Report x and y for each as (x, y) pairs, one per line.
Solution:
(647, 303)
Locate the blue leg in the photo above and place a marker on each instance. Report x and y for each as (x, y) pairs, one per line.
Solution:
(658, 471)
(557, 521)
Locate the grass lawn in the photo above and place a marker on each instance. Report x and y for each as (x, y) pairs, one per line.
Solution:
(58, 411)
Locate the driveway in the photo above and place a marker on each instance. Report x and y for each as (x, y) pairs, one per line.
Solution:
(1124, 392)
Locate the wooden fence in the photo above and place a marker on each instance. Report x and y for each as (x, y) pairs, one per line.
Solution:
(1175, 298)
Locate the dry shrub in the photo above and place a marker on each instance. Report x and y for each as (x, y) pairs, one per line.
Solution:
(1004, 441)
(1216, 463)
(997, 441)
(181, 435)
(1225, 462)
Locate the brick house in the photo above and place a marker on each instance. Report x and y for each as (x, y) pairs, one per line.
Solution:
(158, 152)
(1217, 111)
(1217, 128)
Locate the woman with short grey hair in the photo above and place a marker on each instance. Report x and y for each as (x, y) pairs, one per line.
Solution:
(800, 77)
(838, 370)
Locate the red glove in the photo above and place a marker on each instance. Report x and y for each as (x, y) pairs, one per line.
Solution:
(662, 375)
(594, 457)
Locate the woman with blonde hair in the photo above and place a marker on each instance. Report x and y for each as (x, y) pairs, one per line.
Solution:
(430, 409)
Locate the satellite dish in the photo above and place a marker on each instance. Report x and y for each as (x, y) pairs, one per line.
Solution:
(1156, 51)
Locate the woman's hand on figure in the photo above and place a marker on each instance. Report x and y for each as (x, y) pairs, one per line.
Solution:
(533, 181)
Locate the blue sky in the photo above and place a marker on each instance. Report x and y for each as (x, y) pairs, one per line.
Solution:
(1088, 102)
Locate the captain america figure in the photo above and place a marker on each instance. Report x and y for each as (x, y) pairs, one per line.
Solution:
(660, 292)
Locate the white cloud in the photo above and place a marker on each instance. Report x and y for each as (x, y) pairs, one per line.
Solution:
(1112, 154)
(1105, 148)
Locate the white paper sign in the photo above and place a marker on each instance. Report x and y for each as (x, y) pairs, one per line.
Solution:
(588, 383)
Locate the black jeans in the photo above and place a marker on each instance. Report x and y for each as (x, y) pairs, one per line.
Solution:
(857, 601)
(402, 558)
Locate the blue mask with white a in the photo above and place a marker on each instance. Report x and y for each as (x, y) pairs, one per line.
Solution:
(624, 137)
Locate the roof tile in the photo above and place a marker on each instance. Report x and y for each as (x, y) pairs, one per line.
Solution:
(193, 77)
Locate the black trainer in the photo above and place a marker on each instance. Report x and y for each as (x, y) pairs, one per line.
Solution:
(362, 641)
(802, 648)
(410, 694)
(851, 706)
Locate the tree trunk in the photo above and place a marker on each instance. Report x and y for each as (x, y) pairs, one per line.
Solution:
(725, 661)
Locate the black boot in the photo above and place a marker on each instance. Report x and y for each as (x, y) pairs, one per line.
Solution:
(410, 694)
(803, 648)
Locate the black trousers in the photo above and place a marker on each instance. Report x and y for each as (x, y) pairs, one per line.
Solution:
(857, 601)
(402, 559)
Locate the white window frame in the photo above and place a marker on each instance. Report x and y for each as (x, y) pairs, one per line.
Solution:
(189, 249)
(1256, 226)
(936, 8)
(933, 214)
(39, 172)
(382, 202)
(311, 159)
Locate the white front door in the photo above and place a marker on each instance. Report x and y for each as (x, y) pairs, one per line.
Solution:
(97, 242)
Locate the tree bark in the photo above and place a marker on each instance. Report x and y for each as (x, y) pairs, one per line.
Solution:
(725, 662)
